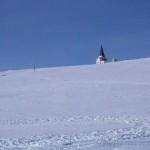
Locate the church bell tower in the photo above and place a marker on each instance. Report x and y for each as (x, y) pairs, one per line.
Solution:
(101, 58)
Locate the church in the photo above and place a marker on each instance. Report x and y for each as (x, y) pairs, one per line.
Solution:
(101, 58)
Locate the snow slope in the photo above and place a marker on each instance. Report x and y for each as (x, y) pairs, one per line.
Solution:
(81, 107)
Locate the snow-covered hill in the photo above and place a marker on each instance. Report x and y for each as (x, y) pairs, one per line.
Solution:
(81, 107)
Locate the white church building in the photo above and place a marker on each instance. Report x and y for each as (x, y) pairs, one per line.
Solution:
(101, 58)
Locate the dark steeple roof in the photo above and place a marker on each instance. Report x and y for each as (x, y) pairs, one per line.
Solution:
(102, 54)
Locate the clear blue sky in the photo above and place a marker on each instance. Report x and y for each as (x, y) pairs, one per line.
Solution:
(70, 32)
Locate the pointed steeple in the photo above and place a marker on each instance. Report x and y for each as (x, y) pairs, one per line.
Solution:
(101, 58)
(102, 54)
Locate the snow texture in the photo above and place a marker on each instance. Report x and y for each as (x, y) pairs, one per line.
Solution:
(87, 107)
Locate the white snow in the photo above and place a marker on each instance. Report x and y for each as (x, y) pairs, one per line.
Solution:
(82, 107)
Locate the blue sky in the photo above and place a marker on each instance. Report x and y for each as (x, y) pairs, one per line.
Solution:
(70, 32)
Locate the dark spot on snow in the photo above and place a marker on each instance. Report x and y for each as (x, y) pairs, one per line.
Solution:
(3, 75)
(68, 143)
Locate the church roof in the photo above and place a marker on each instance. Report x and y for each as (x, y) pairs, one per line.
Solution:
(102, 54)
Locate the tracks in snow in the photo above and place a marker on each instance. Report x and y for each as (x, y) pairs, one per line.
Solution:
(140, 129)
(126, 119)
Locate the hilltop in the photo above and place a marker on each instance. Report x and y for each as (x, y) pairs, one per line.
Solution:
(80, 106)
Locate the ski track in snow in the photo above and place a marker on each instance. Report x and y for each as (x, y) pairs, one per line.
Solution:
(140, 129)
(125, 119)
